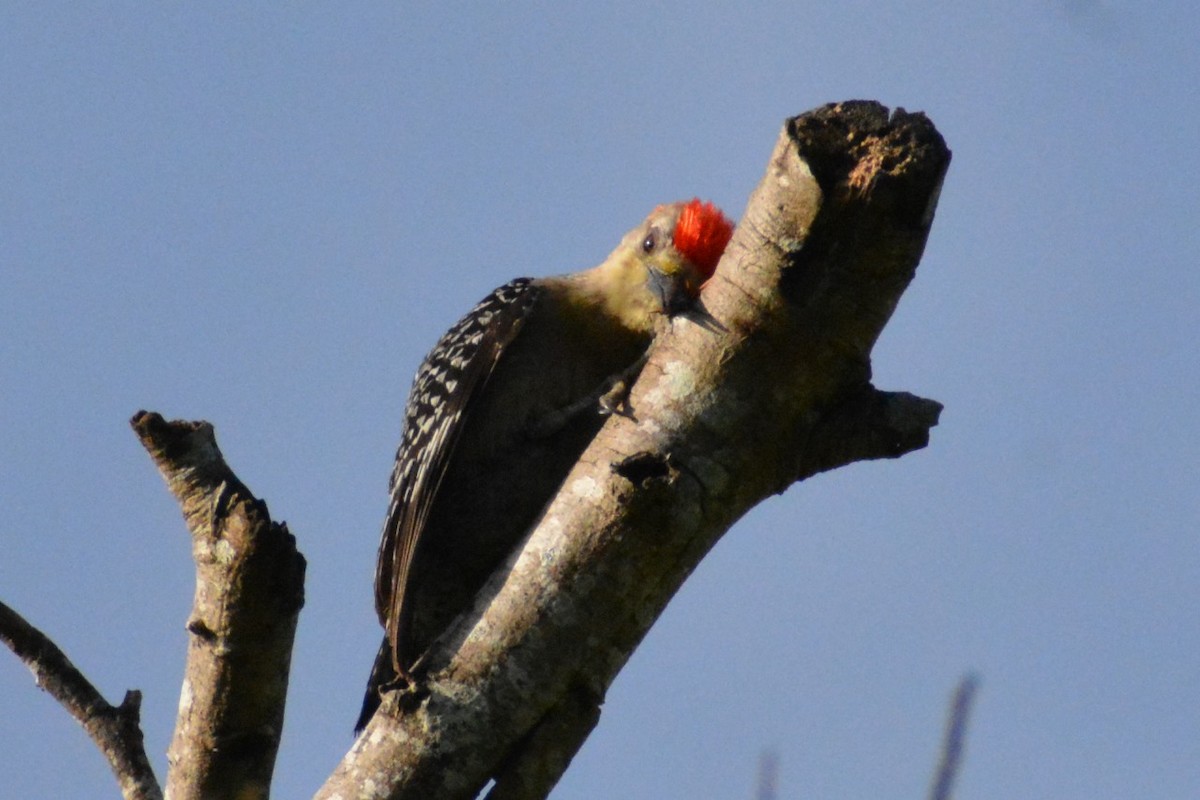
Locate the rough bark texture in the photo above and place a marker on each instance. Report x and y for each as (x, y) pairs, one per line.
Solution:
(116, 730)
(775, 389)
(249, 591)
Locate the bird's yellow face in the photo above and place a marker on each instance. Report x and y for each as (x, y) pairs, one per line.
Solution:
(657, 277)
(646, 276)
(649, 276)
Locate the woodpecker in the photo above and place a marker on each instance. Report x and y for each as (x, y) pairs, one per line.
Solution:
(502, 408)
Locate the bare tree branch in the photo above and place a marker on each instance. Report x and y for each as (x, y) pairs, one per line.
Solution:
(771, 388)
(116, 730)
(544, 754)
(768, 776)
(249, 591)
(952, 744)
(724, 414)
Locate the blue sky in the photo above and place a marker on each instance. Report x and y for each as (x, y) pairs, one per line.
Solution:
(263, 216)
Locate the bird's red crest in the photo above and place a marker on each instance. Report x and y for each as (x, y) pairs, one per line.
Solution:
(701, 235)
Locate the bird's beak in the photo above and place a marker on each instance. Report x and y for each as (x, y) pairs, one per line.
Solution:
(672, 283)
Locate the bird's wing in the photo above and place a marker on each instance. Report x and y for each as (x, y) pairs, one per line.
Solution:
(454, 372)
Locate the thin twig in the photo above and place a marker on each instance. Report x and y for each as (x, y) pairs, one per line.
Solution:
(952, 743)
(116, 730)
(768, 776)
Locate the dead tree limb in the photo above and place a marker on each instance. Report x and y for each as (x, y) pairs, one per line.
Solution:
(773, 387)
(116, 730)
(249, 591)
(951, 755)
(724, 415)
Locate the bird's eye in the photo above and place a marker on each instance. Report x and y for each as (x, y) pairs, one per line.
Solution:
(649, 242)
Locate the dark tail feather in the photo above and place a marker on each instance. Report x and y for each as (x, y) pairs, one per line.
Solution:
(382, 675)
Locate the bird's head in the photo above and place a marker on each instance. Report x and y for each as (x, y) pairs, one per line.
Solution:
(680, 248)
(661, 265)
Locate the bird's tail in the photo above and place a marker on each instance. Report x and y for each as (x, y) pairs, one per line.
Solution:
(382, 674)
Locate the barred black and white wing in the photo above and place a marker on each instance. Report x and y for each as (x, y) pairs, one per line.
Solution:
(451, 376)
